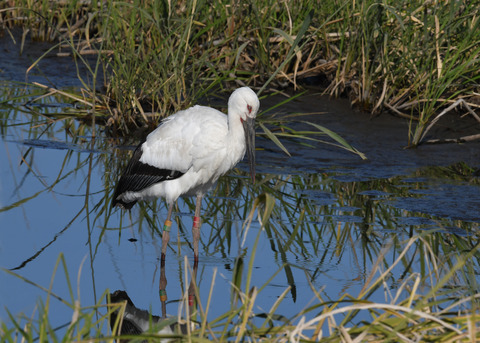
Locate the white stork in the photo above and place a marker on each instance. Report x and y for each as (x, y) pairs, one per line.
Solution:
(187, 154)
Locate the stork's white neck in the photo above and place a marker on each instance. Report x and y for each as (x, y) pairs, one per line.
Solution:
(236, 133)
(243, 105)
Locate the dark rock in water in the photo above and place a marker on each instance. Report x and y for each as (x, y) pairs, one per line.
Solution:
(137, 321)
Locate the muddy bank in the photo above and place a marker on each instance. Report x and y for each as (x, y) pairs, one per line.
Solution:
(383, 139)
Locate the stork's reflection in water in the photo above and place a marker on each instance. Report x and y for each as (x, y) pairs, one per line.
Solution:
(128, 321)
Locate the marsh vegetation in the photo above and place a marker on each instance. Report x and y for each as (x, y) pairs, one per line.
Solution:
(411, 58)
(339, 251)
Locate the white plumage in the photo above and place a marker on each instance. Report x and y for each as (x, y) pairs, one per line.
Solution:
(188, 152)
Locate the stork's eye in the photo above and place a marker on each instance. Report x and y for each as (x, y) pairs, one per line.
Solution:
(249, 108)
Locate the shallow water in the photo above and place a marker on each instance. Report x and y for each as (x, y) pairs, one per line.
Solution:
(334, 213)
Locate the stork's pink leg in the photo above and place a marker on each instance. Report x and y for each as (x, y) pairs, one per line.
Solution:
(166, 231)
(196, 228)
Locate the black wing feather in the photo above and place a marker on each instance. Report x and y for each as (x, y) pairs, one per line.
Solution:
(138, 176)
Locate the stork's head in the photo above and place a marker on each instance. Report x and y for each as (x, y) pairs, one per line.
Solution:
(244, 103)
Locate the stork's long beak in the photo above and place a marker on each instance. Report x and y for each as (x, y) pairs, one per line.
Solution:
(249, 128)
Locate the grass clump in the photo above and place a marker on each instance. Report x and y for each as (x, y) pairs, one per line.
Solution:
(412, 58)
(162, 57)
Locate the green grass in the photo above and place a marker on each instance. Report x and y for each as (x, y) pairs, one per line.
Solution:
(410, 57)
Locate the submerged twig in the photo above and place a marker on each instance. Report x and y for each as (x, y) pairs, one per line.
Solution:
(65, 94)
(463, 139)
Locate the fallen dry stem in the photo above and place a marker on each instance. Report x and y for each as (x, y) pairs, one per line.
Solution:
(458, 103)
(400, 114)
